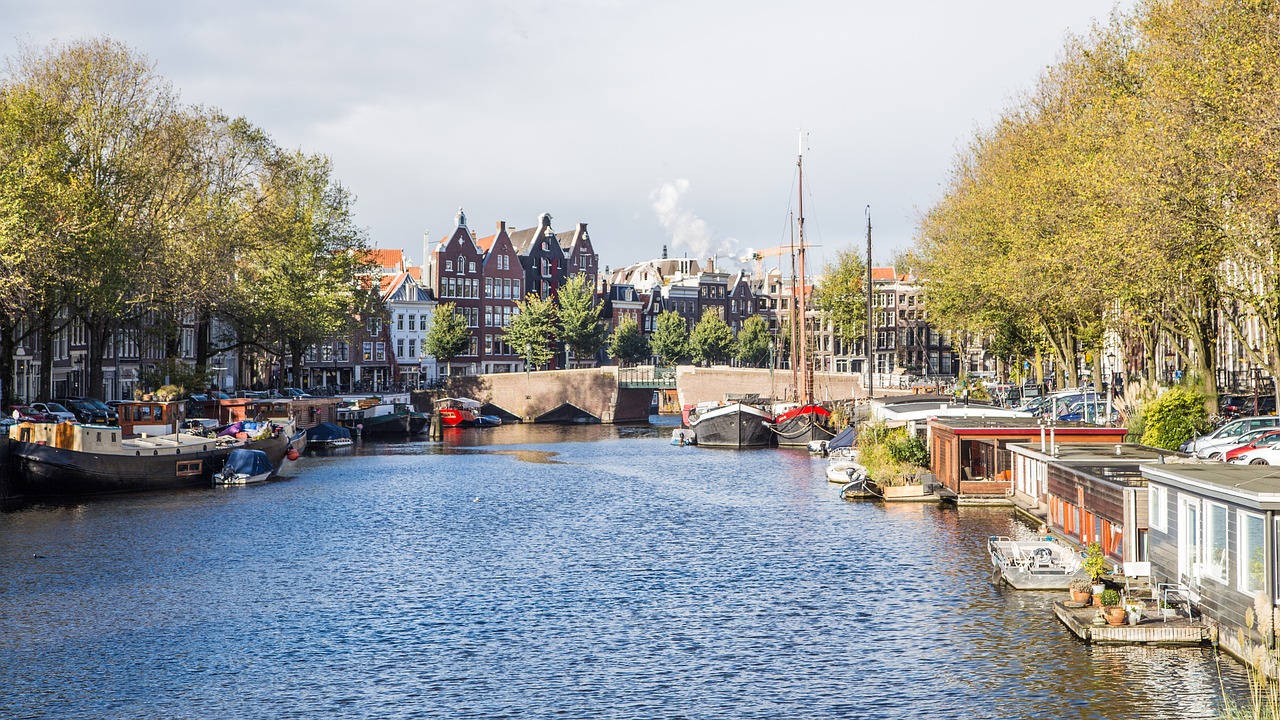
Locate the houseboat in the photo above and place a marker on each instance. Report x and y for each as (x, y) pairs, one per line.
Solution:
(378, 416)
(730, 424)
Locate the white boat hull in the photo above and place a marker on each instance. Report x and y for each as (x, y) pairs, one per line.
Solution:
(1034, 564)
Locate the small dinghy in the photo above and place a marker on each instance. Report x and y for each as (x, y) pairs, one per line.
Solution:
(683, 436)
(1039, 564)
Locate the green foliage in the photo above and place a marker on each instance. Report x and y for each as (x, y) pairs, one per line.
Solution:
(753, 343)
(890, 455)
(841, 294)
(712, 339)
(1094, 563)
(449, 335)
(533, 329)
(579, 317)
(1174, 417)
(1109, 598)
(628, 345)
(670, 340)
(176, 374)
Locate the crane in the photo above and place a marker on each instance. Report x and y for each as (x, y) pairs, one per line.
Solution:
(758, 256)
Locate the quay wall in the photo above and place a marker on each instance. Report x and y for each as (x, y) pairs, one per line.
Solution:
(592, 393)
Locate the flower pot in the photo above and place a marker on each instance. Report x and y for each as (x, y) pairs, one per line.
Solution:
(1114, 614)
(1080, 597)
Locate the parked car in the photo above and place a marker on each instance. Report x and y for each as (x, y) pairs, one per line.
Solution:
(295, 393)
(1229, 433)
(26, 413)
(56, 410)
(90, 411)
(1269, 455)
(1256, 439)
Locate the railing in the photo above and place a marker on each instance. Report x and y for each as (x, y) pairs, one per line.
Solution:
(652, 378)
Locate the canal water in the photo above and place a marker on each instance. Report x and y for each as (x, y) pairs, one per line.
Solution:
(547, 572)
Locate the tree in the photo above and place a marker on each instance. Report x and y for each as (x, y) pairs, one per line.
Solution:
(532, 329)
(712, 339)
(627, 345)
(754, 341)
(579, 318)
(670, 340)
(449, 335)
(841, 294)
(1174, 418)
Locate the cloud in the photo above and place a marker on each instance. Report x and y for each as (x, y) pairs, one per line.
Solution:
(687, 230)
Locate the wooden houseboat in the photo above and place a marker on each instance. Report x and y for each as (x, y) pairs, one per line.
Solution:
(970, 455)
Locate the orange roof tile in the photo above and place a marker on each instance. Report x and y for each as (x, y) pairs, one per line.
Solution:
(486, 243)
(385, 258)
(883, 273)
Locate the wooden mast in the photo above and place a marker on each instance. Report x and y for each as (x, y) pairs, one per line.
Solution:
(806, 389)
(793, 351)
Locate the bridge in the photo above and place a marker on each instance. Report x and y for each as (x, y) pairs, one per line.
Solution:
(621, 395)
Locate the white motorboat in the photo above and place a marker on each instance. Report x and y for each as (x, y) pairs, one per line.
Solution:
(1040, 564)
(244, 467)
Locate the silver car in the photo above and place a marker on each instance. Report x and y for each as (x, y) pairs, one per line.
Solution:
(1229, 434)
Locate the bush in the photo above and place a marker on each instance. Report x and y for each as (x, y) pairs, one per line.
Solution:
(1174, 418)
(912, 450)
(890, 456)
(1109, 598)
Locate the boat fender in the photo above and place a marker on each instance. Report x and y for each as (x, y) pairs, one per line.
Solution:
(292, 454)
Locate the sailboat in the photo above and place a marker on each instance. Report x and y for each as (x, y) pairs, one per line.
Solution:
(804, 422)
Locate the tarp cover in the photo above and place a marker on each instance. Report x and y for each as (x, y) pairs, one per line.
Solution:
(248, 462)
(844, 439)
(327, 432)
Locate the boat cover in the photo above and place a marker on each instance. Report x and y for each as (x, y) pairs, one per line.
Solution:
(846, 438)
(327, 432)
(248, 462)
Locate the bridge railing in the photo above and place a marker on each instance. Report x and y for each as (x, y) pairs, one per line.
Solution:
(655, 378)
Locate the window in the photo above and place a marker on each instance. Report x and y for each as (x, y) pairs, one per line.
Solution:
(506, 288)
(1189, 537)
(1215, 542)
(380, 354)
(368, 352)
(448, 266)
(488, 316)
(471, 267)
(341, 351)
(488, 344)
(412, 322)
(1157, 507)
(488, 287)
(400, 321)
(399, 347)
(1251, 554)
(413, 347)
(515, 289)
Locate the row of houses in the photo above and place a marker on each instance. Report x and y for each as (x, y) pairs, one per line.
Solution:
(484, 277)
(1206, 534)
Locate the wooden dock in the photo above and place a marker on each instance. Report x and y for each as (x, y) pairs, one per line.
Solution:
(1150, 631)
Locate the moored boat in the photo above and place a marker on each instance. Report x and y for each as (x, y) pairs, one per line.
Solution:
(802, 425)
(1040, 564)
(376, 416)
(730, 425)
(244, 467)
(329, 435)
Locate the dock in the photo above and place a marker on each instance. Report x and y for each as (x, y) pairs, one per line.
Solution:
(1177, 631)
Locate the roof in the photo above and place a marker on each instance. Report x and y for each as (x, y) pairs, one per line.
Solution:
(385, 258)
(486, 243)
(1094, 453)
(889, 274)
(1018, 427)
(1251, 484)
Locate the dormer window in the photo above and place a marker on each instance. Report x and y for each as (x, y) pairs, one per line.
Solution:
(448, 266)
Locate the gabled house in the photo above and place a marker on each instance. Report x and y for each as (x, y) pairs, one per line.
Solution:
(503, 286)
(410, 306)
(545, 268)
(455, 274)
(579, 253)
(741, 301)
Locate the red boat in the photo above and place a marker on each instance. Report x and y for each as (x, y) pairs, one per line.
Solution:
(458, 412)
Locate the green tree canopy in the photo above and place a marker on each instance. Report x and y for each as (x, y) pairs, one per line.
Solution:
(754, 340)
(841, 294)
(449, 335)
(627, 345)
(670, 340)
(532, 330)
(712, 339)
(579, 317)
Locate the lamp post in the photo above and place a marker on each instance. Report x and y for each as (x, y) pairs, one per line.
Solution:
(1111, 383)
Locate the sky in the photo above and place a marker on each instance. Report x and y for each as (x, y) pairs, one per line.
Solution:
(658, 123)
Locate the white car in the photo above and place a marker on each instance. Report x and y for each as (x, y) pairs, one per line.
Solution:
(1215, 451)
(1229, 433)
(56, 410)
(1267, 455)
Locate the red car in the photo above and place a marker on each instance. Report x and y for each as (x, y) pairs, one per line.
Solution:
(26, 413)
(1264, 440)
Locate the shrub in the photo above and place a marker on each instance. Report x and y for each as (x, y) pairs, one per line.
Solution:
(1094, 562)
(1109, 598)
(1081, 585)
(1174, 418)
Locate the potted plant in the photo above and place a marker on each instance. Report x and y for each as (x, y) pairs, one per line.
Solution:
(1133, 611)
(1081, 588)
(1111, 607)
(1095, 565)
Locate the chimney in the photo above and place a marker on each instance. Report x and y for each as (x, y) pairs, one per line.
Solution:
(502, 226)
(664, 252)
(426, 246)
(473, 236)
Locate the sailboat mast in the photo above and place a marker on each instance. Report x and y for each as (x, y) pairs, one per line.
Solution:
(791, 312)
(806, 391)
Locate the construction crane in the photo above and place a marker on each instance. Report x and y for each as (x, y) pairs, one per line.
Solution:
(758, 256)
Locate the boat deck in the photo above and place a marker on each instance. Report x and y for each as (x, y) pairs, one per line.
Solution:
(1179, 630)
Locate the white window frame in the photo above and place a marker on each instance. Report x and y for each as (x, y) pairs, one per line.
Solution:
(1243, 551)
(1189, 552)
(1215, 568)
(1158, 507)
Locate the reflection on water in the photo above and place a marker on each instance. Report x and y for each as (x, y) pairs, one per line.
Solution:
(589, 571)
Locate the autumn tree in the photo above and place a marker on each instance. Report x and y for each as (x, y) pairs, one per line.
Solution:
(841, 295)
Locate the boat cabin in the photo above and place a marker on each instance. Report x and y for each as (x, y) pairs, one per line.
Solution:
(1213, 539)
(914, 412)
(109, 440)
(151, 417)
(970, 456)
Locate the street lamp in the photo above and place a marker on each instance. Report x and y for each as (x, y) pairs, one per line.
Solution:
(1111, 383)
